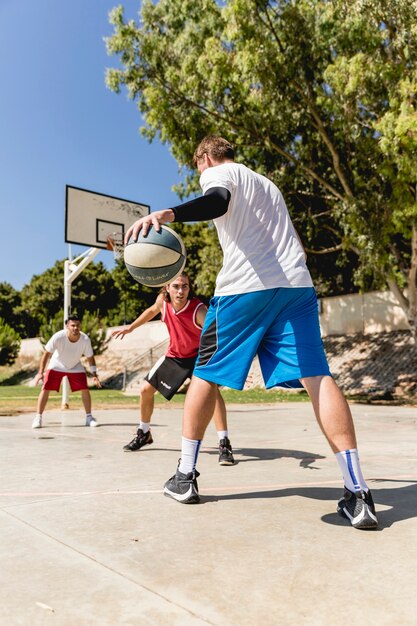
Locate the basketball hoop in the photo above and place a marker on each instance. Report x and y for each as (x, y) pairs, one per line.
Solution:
(115, 242)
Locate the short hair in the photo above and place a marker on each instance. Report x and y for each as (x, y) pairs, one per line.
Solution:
(166, 295)
(72, 318)
(217, 147)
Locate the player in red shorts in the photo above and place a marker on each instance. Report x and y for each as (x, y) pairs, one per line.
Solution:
(184, 316)
(65, 349)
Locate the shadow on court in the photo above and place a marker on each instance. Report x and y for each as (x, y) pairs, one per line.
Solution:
(401, 501)
(89, 539)
(248, 455)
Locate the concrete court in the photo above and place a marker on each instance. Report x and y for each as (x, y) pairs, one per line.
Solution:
(89, 539)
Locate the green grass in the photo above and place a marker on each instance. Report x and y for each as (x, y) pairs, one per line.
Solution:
(20, 398)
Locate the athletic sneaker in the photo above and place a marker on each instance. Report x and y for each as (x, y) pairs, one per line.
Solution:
(358, 508)
(225, 452)
(183, 487)
(90, 421)
(141, 439)
(37, 421)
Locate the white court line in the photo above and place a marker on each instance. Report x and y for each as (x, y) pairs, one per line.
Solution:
(231, 489)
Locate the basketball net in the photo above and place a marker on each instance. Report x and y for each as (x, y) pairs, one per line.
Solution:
(115, 242)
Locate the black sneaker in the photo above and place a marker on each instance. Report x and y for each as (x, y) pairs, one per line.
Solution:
(358, 508)
(225, 452)
(183, 487)
(141, 439)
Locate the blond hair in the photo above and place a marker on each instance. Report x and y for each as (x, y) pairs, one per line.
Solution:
(216, 147)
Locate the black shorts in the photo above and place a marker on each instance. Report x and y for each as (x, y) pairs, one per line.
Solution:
(168, 374)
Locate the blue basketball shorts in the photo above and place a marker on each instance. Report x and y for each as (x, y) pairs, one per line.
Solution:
(280, 325)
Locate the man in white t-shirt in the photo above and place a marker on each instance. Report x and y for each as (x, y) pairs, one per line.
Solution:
(64, 350)
(265, 304)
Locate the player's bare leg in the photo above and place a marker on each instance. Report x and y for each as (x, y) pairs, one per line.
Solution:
(42, 402)
(335, 420)
(199, 406)
(143, 435)
(86, 398)
(220, 414)
(147, 401)
(220, 422)
(332, 412)
(200, 402)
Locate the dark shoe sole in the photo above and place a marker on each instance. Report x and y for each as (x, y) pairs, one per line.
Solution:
(193, 499)
(126, 449)
(367, 523)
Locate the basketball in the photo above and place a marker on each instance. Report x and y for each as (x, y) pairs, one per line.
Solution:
(156, 259)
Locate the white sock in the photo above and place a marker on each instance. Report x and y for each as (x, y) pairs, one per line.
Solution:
(352, 473)
(88, 415)
(145, 426)
(39, 415)
(222, 434)
(189, 454)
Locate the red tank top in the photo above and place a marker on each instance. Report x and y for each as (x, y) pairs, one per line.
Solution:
(184, 333)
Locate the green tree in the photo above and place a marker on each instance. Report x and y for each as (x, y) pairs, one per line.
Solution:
(93, 290)
(132, 297)
(44, 294)
(317, 94)
(50, 327)
(10, 310)
(9, 344)
(9, 300)
(92, 326)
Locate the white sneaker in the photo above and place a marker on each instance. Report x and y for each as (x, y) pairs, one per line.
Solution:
(37, 421)
(90, 421)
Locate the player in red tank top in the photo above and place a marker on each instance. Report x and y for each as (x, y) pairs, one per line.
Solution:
(184, 331)
(184, 317)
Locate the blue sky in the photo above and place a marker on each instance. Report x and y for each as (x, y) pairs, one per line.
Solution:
(60, 125)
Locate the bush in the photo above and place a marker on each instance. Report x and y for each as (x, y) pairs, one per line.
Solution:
(92, 326)
(9, 344)
(49, 328)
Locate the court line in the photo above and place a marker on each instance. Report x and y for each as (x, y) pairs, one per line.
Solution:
(109, 568)
(232, 488)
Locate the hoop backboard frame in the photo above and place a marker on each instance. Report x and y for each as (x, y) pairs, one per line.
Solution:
(91, 217)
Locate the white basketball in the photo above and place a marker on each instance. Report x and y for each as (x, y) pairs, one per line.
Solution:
(156, 259)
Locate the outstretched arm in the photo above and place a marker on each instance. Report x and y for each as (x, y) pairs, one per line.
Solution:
(147, 315)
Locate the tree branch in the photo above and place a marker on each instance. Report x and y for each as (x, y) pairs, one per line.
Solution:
(325, 250)
(314, 113)
(412, 274)
(273, 146)
(402, 300)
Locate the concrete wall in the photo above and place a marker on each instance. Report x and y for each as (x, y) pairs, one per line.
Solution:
(140, 340)
(135, 343)
(373, 312)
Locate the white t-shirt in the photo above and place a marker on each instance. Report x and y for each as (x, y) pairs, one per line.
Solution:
(260, 247)
(66, 354)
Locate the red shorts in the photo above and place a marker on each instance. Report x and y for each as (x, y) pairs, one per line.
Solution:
(52, 380)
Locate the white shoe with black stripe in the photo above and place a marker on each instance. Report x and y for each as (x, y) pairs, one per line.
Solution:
(359, 508)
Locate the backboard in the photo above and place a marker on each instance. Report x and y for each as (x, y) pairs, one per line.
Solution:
(90, 217)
